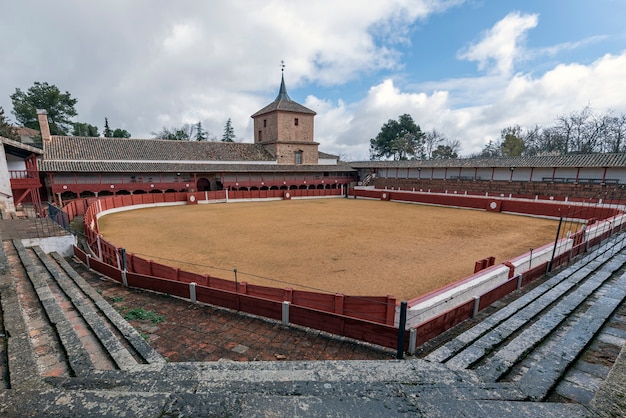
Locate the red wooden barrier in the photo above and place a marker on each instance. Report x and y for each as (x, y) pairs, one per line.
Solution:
(344, 315)
(497, 293)
(435, 326)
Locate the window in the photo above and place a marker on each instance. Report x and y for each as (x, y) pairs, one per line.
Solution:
(295, 121)
(260, 136)
(298, 156)
(265, 123)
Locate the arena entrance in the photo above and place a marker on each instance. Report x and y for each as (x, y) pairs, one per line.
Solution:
(203, 185)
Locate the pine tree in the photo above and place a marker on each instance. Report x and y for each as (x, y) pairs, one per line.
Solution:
(108, 133)
(229, 132)
(6, 129)
(201, 134)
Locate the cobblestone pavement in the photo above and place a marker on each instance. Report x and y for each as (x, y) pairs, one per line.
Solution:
(183, 331)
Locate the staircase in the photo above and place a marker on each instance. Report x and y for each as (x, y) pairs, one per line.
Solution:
(68, 353)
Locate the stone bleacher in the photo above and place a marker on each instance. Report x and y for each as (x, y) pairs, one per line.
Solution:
(69, 353)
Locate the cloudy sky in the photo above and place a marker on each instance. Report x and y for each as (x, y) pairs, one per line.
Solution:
(467, 68)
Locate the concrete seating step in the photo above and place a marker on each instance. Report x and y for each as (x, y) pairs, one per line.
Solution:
(21, 367)
(131, 335)
(105, 322)
(546, 322)
(119, 354)
(78, 359)
(558, 284)
(545, 372)
(212, 375)
(532, 336)
(329, 400)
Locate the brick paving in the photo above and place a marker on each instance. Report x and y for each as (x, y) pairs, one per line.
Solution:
(193, 332)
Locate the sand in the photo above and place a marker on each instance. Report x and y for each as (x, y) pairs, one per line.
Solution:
(354, 247)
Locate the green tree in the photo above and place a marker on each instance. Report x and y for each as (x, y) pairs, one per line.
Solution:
(444, 152)
(229, 132)
(60, 107)
(108, 133)
(84, 129)
(121, 133)
(200, 133)
(491, 150)
(184, 133)
(512, 143)
(398, 139)
(6, 129)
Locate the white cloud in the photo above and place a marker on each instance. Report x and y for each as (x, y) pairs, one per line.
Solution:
(521, 99)
(501, 45)
(148, 64)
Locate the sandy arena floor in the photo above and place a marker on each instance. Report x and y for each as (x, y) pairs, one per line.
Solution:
(355, 247)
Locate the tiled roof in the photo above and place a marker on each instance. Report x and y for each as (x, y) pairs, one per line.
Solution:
(17, 148)
(186, 167)
(83, 149)
(24, 131)
(574, 160)
(324, 155)
(127, 155)
(284, 103)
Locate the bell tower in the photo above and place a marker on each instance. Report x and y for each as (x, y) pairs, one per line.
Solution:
(285, 128)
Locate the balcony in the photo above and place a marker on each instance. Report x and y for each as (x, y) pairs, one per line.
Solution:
(24, 179)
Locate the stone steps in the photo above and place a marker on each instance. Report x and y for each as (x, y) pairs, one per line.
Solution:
(536, 339)
(71, 331)
(19, 351)
(37, 348)
(297, 401)
(533, 301)
(127, 347)
(91, 334)
(125, 377)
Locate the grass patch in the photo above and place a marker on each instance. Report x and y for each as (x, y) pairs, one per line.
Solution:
(117, 299)
(142, 314)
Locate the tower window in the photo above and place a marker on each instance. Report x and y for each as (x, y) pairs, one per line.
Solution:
(295, 121)
(265, 123)
(260, 136)
(298, 157)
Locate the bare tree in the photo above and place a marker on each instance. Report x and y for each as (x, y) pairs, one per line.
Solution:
(615, 134)
(431, 140)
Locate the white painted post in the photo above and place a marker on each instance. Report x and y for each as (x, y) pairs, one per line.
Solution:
(99, 247)
(124, 279)
(286, 313)
(192, 292)
(117, 258)
(476, 303)
(226, 195)
(412, 341)
(88, 258)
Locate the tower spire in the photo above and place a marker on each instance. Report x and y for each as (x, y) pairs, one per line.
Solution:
(282, 92)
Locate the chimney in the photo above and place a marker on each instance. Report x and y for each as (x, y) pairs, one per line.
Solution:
(42, 116)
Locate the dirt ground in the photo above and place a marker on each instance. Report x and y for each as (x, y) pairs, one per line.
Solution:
(354, 247)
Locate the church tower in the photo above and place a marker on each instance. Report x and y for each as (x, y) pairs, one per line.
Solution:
(285, 129)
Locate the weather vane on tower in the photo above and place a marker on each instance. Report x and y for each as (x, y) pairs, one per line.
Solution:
(282, 66)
